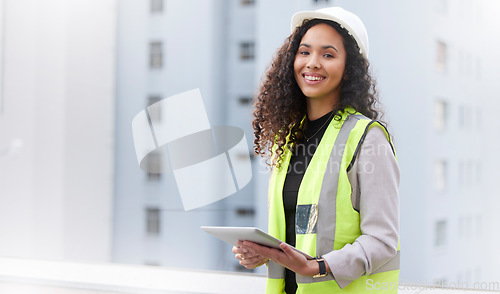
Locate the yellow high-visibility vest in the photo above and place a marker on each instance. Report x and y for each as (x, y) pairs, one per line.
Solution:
(325, 185)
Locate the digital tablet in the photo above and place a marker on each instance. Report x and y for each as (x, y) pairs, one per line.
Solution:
(232, 235)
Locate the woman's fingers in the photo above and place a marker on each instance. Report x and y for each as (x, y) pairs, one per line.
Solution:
(289, 250)
(267, 252)
(252, 262)
(247, 256)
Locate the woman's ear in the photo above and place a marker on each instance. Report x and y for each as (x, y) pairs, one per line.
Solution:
(345, 76)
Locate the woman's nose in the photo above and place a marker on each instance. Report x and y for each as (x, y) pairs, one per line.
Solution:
(313, 62)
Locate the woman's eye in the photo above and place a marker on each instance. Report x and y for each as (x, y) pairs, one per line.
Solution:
(304, 53)
(328, 55)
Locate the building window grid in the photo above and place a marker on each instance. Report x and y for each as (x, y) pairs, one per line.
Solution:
(156, 54)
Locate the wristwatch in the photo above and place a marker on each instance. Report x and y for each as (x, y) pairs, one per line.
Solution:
(322, 268)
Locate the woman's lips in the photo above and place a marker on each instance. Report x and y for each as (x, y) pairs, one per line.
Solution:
(312, 78)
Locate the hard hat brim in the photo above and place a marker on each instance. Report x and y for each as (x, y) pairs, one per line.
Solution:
(299, 17)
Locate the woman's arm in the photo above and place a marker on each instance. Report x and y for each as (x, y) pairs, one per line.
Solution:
(377, 174)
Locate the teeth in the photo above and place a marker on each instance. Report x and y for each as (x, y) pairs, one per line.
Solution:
(311, 78)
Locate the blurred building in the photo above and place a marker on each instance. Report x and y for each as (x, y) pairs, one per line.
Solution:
(56, 125)
(165, 48)
(436, 66)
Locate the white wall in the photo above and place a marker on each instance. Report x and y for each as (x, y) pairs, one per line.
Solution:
(55, 192)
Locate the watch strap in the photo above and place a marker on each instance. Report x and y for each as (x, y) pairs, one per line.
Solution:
(322, 268)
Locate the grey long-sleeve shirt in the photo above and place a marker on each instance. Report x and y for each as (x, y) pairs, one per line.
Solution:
(375, 182)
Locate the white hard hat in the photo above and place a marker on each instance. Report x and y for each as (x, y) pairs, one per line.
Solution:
(344, 18)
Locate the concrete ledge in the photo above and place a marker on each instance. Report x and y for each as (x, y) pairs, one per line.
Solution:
(32, 276)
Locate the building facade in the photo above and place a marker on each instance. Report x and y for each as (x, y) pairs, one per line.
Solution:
(165, 48)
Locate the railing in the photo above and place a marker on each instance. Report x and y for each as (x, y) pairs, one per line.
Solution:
(29, 276)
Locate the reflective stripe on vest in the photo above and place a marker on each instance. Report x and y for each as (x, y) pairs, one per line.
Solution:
(317, 229)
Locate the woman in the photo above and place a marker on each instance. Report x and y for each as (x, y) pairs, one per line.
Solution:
(334, 188)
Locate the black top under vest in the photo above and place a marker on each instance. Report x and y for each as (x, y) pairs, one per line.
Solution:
(301, 157)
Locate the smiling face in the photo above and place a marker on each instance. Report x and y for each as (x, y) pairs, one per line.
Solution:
(319, 64)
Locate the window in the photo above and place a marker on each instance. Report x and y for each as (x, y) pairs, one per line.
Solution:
(155, 55)
(441, 56)
(440, 175)
(154, 165)
(245, 100)
(153, 221)
(245, 212)
(247, 51)
(247, 2)
(440, 239)
(440, 115)
(156, 6)
(154, 160)
(154, 113)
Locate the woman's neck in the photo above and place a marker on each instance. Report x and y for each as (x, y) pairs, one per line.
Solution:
(318, 108)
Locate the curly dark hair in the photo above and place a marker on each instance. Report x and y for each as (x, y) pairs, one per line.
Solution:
(280, 105)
